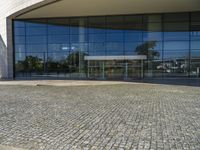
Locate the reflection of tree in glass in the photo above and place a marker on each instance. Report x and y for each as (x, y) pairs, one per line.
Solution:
(66, 64)
(76, 59)
(59, 65)
(147, 49)
(33, 63)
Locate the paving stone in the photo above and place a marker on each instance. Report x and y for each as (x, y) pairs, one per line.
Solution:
(127, 116)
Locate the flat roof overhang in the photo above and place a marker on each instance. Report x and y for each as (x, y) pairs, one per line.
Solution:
(69, 8)
(133, 57)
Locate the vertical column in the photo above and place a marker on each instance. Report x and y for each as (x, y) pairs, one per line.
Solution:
(126, 70)
(198, 72)
(142, 68)
(81, 46)
(103, 70)
(88, 71)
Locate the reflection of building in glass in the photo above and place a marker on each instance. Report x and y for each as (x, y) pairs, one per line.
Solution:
(108, 47)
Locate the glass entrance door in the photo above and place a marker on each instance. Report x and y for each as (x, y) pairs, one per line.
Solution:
(95, 69)
(115, 69)
(135, 69)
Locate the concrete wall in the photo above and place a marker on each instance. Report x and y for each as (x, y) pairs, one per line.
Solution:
(9, 9)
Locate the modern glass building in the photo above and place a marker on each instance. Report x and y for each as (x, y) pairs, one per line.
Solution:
(109, 47)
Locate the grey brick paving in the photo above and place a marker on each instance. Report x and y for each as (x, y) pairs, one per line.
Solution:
(143, 117)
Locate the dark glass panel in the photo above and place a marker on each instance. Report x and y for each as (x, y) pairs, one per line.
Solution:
(176, 63)
(115, 48)
(58, 39)
(114, 69)
(133, 24)
(130, 48)
(152, 18)
(57, 30)
(195, 67)
(133, 36)
(79, 47)
(178, 26)
(78, 26)
(154, 68)
(195, 16)
(195, 45)
(36, 39)
(58, 64)
(34, 64)
(79, 38)
(170, 55)
(133, 28)
(58, 26)
(97, 37)
(195, 54)
(132, 19)
(175, 36)
(153, 27)
(19, 48)
(19, 39)
(195, 35)
(36, 48)
(36, 31)
(58, 47)
(97, 53)
(57, 57)
(176, 45)
(152, 36)
(97, 49)
(36, 23)
(195, 26)
(96, 25)
(195, 30)
(155, 45)
(134, 70)
(76, 63)
(95, 69)
(195, 63)
(151, 49)
(19, 24)
(19, 31)
(115, 24)
(63, 22)
(19, 64)
(114, 37)
(176, 17)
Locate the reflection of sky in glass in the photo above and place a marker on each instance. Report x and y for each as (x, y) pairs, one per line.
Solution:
(57, 56)
(165, 39)
(111, 38)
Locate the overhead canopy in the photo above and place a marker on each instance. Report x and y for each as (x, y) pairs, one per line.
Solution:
(67, 8)
(133, 57)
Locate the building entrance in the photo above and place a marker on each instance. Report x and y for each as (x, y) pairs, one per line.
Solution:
(115, 69)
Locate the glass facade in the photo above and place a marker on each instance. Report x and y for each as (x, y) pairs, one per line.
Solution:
(56, 47)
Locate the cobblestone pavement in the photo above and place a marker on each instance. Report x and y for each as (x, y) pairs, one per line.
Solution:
(100, 117)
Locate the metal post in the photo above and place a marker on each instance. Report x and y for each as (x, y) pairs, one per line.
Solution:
(126, 70)
(198, 71)
(81, 48)
(103, 70)
(88, 69)
(142, 69)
